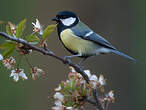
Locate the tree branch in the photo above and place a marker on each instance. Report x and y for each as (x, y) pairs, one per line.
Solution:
(90, 101)
(50, 53)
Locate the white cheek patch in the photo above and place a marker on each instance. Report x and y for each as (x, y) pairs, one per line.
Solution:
(68, 21)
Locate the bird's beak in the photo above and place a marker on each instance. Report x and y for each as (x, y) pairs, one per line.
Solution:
(55, 19)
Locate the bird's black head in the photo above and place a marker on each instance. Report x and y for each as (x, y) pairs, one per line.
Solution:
(66, 18)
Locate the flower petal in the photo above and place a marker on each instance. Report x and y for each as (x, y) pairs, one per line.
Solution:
(23, 75)
(58, 103)
(69, 108)
(16, 77)
(12, 73)
(93, 78)
(101, 80)
(58, 88)
(58, 108)
(88, 73)
(58, 96)
(1, 57)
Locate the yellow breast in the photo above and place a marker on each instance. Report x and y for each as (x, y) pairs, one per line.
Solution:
(77, 44)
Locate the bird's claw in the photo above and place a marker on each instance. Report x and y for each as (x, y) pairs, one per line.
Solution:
(66, 59)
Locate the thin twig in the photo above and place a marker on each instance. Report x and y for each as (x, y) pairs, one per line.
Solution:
(19, 62)
(77, 67)
(28, 62)
(106, 106)
(98, 103)
(90, 101)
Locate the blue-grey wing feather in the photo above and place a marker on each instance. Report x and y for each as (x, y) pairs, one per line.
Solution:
(81, 30)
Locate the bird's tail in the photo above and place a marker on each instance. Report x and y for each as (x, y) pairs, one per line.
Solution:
(124, 55)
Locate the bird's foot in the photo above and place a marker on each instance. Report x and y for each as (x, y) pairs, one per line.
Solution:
(67, 60)
(67, 57)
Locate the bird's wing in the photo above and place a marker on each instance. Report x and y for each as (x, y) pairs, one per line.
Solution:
(83, 31)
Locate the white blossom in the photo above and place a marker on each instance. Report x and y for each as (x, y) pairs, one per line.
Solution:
(69, 108)
(58, 108)
(14, 75)
(58, 88)
(13, 28)
(58, 103)
(23, 75)
(63, 108)
(58, 96)
(37, 27)
(93, 78)
(101, 80)
(36, 72)
(72, 69)
(18, 73)
(9, 62)
(39, 71)
(30, 51)
(110, 97)
(111, 94)
(1, 57)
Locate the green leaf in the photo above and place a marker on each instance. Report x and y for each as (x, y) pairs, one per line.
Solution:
(67, 87)
(69, 103)
(78, 88)
(20, 28)
(8, 30)
(62, 85)
(32, 38)
(9, 50)
(72, 84)
(6, 45)
(49, 29)
(83, 91)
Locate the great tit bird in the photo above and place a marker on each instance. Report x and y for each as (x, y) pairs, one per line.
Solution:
(79, 39)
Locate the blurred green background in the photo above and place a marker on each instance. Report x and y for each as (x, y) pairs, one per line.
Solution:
(122, 22)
